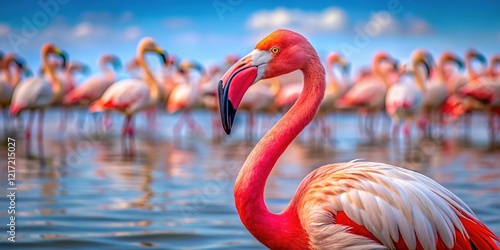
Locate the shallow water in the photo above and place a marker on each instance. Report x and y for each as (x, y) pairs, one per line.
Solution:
(177, 194)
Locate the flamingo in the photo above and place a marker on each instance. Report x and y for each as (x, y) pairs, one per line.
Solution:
(334, 89)
(437, 90)
(185, 97)
(69, 86)
(487, 92)
(129, 96)
(8, 83)
(369, 94)
(474, 78)
(37, 93)
(353, 205)
(93, 88)
(404, 101)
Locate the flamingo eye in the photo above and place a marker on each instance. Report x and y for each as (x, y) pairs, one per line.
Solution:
(275, 50)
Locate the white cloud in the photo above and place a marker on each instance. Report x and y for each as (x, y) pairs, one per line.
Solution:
(177, 22)
(327, 20)
(82, 29)
(132, 33)
(384, 23)
(4, 29)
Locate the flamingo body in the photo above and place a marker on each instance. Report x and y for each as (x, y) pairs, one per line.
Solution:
(31, 93)
(354, 205)
(126, 96)
(403, 100)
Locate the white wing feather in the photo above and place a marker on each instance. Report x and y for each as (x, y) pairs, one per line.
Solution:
(388, 201)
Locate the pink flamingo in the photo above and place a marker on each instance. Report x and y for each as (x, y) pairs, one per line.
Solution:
(186, 96)
(334, 89)
(473, 78)
(70, 84)
(93, 88)
(403, 102)
(353, 205)
(369, 93)
(38, 93)
(437, 91)
(487, 92)
(129, 96)
(9, 82)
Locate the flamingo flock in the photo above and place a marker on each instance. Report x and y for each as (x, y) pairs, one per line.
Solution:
(352, 205)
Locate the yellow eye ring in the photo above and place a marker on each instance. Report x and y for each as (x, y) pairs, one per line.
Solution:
(275, 50)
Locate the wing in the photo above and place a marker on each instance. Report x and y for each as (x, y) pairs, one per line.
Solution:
(129, 94)
(32, 92)
(356, 204)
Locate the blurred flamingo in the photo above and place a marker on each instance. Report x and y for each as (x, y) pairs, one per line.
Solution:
(335, 88)
(354, 205)
(71, 84)
(93, 88)
(403, 100)
(9, 82)
(437, 91)
(130, 96)
(487, 92)
(369, 93)
(37, 93)
(186, 96)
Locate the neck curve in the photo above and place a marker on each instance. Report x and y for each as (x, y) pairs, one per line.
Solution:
(333, 82)
(419, 78)
(250, 183)
(104, 66)
(148, 76)
(55, 83)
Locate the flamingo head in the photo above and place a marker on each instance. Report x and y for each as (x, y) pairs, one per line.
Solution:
(50, 48)
(281, 52)
(474, 54)
(147, 44)
(448, 56)
(336, 58)
(113, 59)
(423, 57)
(383, 57)
(187, 65)
(494, 62)
(21, 65)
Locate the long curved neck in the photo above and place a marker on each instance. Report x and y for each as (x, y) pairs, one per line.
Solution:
(148, 76)
(441, 74)
(333, 82)
(250, 183)
(103, 65)
(419, 77)
(55, 83)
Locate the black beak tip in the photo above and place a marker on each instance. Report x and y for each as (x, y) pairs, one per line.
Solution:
(64, 57)
(227, 110)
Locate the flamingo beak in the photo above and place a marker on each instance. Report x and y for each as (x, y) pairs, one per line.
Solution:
(163, 55)
(459, 62)
(232, 87)
(64, 57)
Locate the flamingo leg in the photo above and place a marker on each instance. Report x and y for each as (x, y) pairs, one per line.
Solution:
(177, 129)
(27, 133)
(40, 136)
(194, 126)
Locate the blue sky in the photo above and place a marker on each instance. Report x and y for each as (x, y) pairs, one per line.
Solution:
(208, 30)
